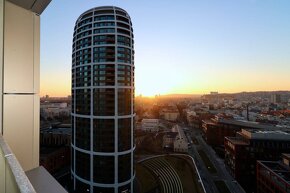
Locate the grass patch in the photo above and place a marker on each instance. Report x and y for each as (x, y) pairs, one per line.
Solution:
(210, 167)
(146, 180)
(221, 186)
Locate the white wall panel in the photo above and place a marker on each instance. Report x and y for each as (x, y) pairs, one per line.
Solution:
(20, 50)
(18, 124)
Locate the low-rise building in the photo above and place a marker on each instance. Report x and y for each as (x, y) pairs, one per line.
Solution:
(169, 113)
(168, 140)
(180, 143)
(55, 148)
(175, 140)
(57, 109)
(150, 125)
(216, 129)
(250, 145)
(274, 176)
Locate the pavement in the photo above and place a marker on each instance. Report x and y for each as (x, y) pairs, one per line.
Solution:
(207, 177)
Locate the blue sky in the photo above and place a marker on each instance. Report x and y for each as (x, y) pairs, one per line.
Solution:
(187, 46)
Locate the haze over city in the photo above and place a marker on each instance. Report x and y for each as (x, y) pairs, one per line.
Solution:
(192, 47)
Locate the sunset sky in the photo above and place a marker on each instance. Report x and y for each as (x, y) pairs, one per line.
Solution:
(184, 47)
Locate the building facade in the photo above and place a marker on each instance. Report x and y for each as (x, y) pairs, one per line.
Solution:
(180, 143)
(250, 145)
(103, 101)
(150, 125)
(217, 128)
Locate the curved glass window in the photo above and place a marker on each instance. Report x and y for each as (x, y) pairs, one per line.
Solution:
(104, 54)
(84, 28)
(85, 42)
(72, 158)
(83, 56)
(123, 25)
(125, 188)
(82, 187)
(104, 75)
(82, 165)
(120, 18)
(104, 102)
(83, 133)
(121, 13)
(124, 75)
(104, 17)
(72, 130)
(83, 101)
(124, 101)
(124, 167)
(73, 78)
(104, 30)
(104, 39)
(83, 75)
(83, 22)
(85, 33)
(87, 15)
(122, 31)
(124, 133)
(102, 24)
(103, 11)
(104, 131)
(122, 40)
(104, 169)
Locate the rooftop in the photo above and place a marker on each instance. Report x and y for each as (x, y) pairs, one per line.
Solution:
(237, 141)
(248, 124)
(66, 131)
(268, 134)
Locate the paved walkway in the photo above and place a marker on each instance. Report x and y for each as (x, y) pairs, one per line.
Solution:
(170, 181)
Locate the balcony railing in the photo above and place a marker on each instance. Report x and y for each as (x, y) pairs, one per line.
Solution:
(12, 177)
(14, 180)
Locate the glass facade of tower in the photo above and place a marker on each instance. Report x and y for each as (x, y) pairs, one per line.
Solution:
(103, 102)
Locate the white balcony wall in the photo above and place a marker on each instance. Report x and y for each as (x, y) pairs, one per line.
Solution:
(20, 79)
(21, 50)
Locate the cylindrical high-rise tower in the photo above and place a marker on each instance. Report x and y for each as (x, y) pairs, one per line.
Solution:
(103, 102)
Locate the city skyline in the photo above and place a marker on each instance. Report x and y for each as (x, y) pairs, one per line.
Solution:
(220, 46)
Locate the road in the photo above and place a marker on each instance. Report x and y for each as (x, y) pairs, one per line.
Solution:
(207, 177)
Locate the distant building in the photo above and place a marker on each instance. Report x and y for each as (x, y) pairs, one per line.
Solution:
(274, 176)
(212, 98)
(51, 110)
(180, 143)
(168, 140)
(170, 114)
(176, 140)
(150, 125)
(275, 98)
(250, 145)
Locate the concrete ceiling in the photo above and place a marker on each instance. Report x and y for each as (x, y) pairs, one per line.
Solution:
(37, 6)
